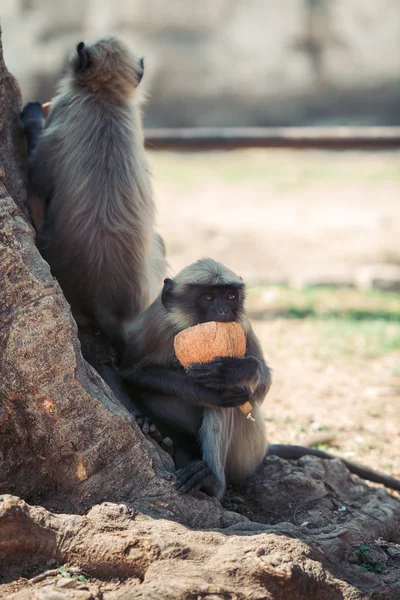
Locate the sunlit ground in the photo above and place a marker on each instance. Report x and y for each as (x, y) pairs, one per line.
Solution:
(287, 218)
(278, 215)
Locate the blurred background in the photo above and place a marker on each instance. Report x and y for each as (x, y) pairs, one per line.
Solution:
(227, 62)
(316, 234)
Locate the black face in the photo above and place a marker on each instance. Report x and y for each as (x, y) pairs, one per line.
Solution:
(217, 303)
(203, 303)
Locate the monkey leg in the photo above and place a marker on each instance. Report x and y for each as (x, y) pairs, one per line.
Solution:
(112, 327)
(248, 446)
(215, 438)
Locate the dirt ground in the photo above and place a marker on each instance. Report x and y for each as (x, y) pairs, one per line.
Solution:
(279, 215)
(299, 216)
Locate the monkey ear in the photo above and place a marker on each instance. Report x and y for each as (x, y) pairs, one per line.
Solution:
(167, 293)
(83, 56)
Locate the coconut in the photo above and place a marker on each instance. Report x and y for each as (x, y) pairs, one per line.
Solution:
(204, 342)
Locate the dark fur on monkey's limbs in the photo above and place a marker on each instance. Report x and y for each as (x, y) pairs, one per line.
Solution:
(177, 383)
(32, 118)
(214, 443)
(226, 372)
(149, 428)
(195, 476)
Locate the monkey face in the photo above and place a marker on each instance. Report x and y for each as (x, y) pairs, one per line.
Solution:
(217, 303)
(197, 303)
(201, 292)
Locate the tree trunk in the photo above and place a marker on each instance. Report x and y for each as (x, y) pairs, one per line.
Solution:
(65, 440)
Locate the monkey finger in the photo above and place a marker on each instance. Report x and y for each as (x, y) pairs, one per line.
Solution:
(192, 476)
(234, 397)
(146, 425)
(195, 482)
(165, 442)
(156, 436)
(190, 469)
(207, 377)
(203, 369)
(196, 367)
(168, 445)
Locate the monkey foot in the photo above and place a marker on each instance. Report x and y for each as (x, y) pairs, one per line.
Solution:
(150, 428)
(196, 476)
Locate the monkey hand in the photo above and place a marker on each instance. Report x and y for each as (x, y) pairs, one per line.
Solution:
(149, 428)
(32, 113)
(234, 396)
(224, 372)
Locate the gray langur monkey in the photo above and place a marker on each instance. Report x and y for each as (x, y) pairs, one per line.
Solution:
(198, 408)
(88, 168)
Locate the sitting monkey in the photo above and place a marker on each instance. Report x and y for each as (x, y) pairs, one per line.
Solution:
(198, 408)
(214, 442)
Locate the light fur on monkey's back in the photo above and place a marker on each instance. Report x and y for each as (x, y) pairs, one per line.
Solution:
(103, 196)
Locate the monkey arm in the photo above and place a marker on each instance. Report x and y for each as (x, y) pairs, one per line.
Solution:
(41, 168)
(226, 372)
(32, 119)
(176, 383)
(42, 146)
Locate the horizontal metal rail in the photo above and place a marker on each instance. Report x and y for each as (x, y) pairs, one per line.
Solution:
(216, 138)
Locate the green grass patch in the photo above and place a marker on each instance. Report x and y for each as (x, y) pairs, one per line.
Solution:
(343, 321)
(325, 303)
(367, 562)
(365, 339)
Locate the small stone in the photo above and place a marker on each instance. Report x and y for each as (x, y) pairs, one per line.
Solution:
(68, 583)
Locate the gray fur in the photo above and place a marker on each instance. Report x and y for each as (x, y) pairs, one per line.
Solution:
(232, 446)
(98, 236)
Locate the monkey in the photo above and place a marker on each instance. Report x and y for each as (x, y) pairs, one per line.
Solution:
(87, 166)
(214, 443)
(198, 408)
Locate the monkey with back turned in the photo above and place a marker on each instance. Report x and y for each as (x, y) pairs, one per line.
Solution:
(198, 408)
(88, 173)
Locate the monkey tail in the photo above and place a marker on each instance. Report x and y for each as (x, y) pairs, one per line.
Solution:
(288, 451)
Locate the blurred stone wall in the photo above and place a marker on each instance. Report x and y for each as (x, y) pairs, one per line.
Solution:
(227, 62)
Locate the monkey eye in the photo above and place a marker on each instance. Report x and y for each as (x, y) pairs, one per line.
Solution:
(231, 296)
(208, 297)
